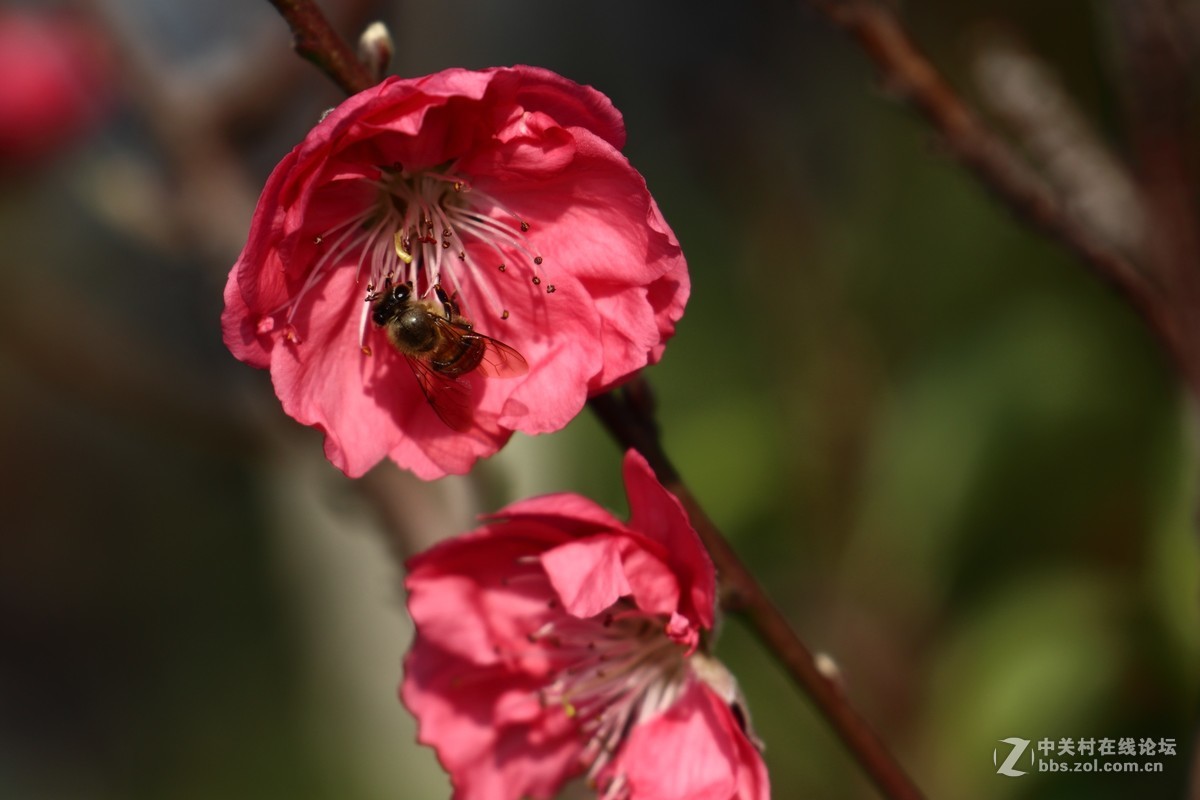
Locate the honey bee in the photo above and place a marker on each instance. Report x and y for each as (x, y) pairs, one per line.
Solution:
(441, 347)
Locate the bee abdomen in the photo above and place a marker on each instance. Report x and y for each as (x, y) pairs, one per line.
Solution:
(458, 357)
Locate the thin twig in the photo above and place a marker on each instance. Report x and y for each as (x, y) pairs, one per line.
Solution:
(316, 40)
(1159, 98)
(909, 74)
(1160, 93)
(628, 416)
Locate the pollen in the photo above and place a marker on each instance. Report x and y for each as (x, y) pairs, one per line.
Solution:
(401, 253)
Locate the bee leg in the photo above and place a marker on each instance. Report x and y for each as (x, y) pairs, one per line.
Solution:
(448, 306)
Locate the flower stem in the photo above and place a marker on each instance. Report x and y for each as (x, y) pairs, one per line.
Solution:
(316, 40)
(627, 413)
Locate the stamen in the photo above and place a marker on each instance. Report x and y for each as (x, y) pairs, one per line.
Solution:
(348, 228)
(615, 670)
(424, 228)
(401, 253)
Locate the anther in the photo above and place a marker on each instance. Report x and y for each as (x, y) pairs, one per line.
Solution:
(524, 226)
(502, 268)
(366, 350)
(537, 260)
(550, 289)
(505, 314)
(318, 239)
(401, 253)
(537, 281)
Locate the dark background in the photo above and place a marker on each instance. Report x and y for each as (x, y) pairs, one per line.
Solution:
(959, 463)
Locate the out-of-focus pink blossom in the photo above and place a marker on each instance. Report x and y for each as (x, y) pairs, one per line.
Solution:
(506, 188)
(558, 641)
(56, 81)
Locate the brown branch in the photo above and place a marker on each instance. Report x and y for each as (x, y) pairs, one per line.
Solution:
(628, 416)
(1159, 91)
(1094, 186)
(909, 74)
(316, 40)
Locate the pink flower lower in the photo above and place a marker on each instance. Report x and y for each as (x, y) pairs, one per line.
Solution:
(556, 641)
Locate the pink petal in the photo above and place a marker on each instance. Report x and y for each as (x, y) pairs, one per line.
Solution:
(686, 753)
(658, 514)
(570, 104)
(478, 596)
(588, 575)
(457, 705)
(591, 574)
(574, 514)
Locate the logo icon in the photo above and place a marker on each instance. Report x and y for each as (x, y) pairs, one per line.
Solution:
(1018, 748)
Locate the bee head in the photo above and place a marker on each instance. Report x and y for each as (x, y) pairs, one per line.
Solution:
(389, 304)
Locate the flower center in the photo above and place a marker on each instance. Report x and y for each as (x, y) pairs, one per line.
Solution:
(614, 671)
(429, 227)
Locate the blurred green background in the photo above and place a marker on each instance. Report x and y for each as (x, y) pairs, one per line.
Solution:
(959, 464)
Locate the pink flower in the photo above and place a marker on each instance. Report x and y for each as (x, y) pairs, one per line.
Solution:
(556, 640)
(504, 188)
(56, 81)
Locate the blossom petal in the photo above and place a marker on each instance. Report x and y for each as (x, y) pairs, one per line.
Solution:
(575, 515)
(459, 707)
(472, 596)
(587, 575)
(686, 753)
(659, 515)
(591, 574)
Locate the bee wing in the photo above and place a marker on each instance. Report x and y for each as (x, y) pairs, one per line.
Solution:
(496, 359)
(449, 397)
(499, 360)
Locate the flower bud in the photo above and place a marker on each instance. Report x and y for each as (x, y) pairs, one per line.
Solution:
(375, 49)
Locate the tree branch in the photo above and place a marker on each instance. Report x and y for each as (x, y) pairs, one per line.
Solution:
(317, 41)
(910, 75)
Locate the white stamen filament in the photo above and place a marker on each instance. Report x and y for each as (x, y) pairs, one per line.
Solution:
(425, 228)
(615, 671)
